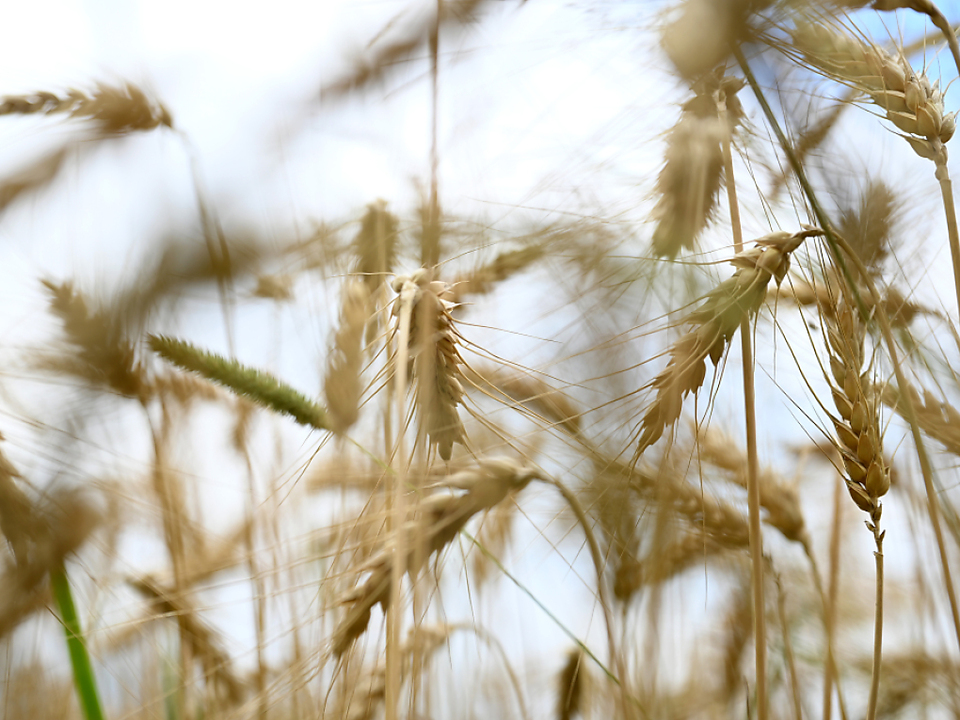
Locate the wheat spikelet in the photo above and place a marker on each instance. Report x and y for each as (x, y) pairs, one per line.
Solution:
(115, 109)
(690, 179)
(342, 381)
(259, 386)
(909, 100)
(672, 558)
(858, 424)
(433, 341)
(811, 138)
(440, 518)
(714, 324)
(868, 227)
(505, 265)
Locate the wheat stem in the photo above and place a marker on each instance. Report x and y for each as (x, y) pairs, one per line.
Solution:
(830, 601)
(398, 510)
(83, 675)
(831, 655)
(753, 481)
(878, 622)
(788, 653)
(949, 209)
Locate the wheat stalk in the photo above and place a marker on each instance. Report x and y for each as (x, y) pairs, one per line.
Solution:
(860, 443)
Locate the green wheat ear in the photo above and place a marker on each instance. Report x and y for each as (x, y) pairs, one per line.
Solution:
(261, 387)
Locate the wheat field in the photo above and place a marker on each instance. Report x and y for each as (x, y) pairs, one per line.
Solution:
(540, 359)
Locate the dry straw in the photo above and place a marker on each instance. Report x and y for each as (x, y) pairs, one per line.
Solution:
(690, 179)
(713, 326)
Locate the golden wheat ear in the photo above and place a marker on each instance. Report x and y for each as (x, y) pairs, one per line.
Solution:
(713, 325)
(433, 345)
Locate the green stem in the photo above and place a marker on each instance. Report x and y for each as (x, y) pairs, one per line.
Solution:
(83, 676)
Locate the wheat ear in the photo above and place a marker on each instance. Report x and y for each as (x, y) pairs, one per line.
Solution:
(115, 109)
(909, 101)
(860, 443)
(341, 383)
(257, 385)
(433, 347)
(690, 179)
(713, 325)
